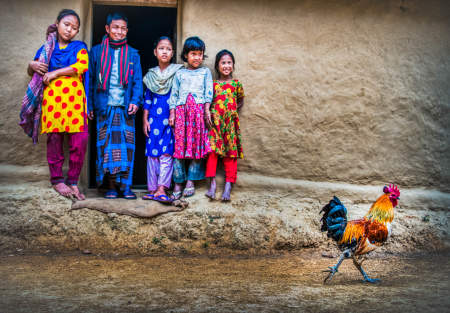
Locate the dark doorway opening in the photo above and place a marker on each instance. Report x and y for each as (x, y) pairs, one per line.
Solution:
(145, 25)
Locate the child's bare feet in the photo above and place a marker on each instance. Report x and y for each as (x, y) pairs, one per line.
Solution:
(63, 190)
(226, 192)
(189, 189)
(77, 193)
(211, 193)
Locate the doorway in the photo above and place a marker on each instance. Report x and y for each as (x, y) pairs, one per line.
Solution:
(145, 25)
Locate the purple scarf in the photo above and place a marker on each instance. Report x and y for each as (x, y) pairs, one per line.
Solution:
(30, 113)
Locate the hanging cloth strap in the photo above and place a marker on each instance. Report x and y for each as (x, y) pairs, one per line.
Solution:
(106, 62)
(30, 113)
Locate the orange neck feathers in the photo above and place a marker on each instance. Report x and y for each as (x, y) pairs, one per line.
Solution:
(382, 210)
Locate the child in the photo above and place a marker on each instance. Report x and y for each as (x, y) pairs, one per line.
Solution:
(191, 97)
(159, 146)
(225, 136)
(61, 64)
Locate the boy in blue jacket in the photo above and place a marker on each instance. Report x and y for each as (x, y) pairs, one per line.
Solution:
(116, 94)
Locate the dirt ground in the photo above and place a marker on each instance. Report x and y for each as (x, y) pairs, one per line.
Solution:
(288, 283)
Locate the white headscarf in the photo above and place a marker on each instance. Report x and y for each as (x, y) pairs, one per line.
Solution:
(161, 82)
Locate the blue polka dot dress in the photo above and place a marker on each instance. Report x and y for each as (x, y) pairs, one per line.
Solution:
(160, 140)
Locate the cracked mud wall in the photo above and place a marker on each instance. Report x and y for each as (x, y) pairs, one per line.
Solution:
(353, 91)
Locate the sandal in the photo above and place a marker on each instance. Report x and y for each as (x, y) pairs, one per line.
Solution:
(111, 194)
(176, 195)
(129, 195)
(188, 192)
(163, 199)
(148, 196)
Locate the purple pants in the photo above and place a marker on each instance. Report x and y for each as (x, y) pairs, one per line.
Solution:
(55, 156)
(159, 171)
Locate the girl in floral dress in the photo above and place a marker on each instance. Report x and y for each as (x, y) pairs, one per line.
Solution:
(225, 136)
(192, 92)
(61, 65)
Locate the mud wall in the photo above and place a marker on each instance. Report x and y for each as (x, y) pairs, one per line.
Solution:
(23, 25)
(353, 91)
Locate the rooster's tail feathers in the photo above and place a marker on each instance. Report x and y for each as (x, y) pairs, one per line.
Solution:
(334, 219)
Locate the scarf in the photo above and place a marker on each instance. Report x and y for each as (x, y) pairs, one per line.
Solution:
(30, 113)
(104, 73)
(67, 56)
(160, 82)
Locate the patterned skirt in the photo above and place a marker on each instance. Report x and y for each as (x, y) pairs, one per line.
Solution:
(115, 146)
(191, 134)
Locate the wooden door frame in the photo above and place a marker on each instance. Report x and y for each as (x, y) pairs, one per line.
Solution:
(87, 10)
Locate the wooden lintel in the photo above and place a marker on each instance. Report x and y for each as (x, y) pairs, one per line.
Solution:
(153, 3)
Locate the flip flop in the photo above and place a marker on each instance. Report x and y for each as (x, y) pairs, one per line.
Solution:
(129, 195)
(163, 199)
(111, 194)
(187, 192)
(148, 196)
(176, 195)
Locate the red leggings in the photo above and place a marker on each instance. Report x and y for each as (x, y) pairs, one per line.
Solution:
(55, 156)
(229, 164)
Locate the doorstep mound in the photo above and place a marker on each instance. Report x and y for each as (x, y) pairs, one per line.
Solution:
(34, 218)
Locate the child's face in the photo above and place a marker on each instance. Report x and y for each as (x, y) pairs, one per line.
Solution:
(117, 30)
(226, 65)
(194, 58)
(68, 27)
(164, 51)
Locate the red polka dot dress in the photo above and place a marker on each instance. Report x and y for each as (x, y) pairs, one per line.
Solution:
(64, 101)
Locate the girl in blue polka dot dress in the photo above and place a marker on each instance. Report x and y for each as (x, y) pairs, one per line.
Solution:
(160, 142)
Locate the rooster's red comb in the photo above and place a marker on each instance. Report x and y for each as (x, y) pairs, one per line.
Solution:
(392, 189)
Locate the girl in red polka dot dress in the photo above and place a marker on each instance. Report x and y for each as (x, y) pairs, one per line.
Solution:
(64, 105)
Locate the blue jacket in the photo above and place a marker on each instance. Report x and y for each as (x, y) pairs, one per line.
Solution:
(99, 98)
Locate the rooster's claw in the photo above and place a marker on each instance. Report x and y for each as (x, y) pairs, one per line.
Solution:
(332, 270)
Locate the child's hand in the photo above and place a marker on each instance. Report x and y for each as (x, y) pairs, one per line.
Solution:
(146, 128)
(39, 67)
(172, 117)
(132, 109)
(48, 77)
(208, 116)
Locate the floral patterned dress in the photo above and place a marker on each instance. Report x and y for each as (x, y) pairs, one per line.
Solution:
(225, 136)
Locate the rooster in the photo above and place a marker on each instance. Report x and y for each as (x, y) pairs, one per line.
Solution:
(358, 237)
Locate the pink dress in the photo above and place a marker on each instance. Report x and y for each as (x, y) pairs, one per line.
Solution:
(191, 134)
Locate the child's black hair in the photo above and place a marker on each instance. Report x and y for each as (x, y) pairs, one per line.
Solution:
(192, 44)
(160, 39)
(219, 55)
(116, 16)
(66, 12)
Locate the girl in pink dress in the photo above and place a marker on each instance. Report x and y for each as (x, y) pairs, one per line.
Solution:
(192, 92)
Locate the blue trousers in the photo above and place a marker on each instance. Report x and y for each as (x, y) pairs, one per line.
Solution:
(195, 170)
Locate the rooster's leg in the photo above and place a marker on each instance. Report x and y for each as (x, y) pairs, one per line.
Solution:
(334, 269)
(366, 278)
